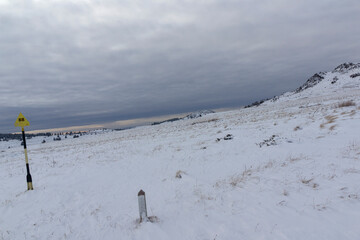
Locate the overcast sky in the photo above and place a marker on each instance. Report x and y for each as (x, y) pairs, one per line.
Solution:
(66, 63)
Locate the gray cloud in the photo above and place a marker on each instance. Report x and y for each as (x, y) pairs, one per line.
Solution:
(66, 63)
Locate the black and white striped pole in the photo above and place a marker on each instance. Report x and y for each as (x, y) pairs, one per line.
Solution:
(21, 121)
(142, 206)
(28, 176)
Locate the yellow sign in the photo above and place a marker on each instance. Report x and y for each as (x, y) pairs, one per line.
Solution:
(21, 121)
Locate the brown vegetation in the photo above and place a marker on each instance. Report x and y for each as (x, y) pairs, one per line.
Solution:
(346, 104)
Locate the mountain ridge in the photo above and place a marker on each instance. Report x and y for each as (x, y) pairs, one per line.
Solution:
(344, 76)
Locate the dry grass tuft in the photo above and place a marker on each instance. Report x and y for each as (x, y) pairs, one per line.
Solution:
(309, 182)
(235, 180)
(179, 174)
(315, 185)
(306, 181)
(346, 104)
(330, 118)
(297, 128)
(293, 159)
(206, 121)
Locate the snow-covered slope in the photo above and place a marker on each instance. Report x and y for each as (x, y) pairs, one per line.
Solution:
(290, 170)
(344, 76)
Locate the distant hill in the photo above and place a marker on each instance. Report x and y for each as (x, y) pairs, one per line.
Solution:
(197, 114)
(346, 75)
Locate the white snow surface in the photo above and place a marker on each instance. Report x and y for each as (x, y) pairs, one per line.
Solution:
(303, 184)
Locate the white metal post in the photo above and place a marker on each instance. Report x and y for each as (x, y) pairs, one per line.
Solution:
(142, 206)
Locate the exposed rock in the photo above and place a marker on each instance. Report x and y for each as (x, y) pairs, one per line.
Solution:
(355, 75)
(315, 79)
(227, 137)
(345, 67)
(335, 79)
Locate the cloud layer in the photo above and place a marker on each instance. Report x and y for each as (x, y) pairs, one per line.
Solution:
(66, 63)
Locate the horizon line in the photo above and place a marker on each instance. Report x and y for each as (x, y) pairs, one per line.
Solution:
(128, 123)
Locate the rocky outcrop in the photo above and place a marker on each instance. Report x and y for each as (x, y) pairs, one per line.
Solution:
(198, 114)
(346, 67)
(315, 79)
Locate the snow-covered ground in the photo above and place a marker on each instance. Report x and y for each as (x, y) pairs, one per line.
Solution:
(289, 169)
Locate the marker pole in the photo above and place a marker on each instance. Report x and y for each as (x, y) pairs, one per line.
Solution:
(142, 206)
(28, 176)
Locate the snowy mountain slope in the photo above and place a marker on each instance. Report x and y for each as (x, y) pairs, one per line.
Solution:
(344, 76)
(290, 171)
